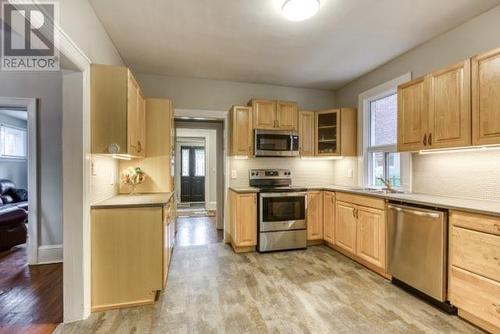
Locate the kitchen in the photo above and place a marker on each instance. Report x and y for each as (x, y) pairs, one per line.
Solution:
(375, 209)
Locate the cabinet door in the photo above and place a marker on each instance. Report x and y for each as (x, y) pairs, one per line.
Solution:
(166, 243)
(449, 107)
(412, 116)
(327, 132)
(141, 126)
(241, 131)
(132, 116)
(486, 98)
(329, 216)
(246, 220)
(306, 133)
(264, 114)
(345, 226)
(287, 115)
(370, 235)
(314, 215)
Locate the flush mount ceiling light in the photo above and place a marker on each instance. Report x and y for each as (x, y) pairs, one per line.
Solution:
(299, 10)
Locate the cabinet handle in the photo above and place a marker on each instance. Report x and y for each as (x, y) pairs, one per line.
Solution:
(139, 146)
(425, 140)
(430, 139)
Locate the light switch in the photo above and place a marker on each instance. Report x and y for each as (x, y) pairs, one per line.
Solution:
(349, 172)
(234, 174)
(93, 171)
(112, 177)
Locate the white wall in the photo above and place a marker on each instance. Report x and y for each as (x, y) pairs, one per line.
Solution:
(204, 94)
(15, 170)
(47, 87)
(472, 175)
(210, 143)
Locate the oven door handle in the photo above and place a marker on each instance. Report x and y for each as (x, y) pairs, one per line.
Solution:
(299, 194)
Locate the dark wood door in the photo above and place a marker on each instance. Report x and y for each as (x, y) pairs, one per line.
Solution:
(192, 174)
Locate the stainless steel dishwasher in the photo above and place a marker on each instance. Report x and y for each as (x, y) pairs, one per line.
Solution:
(417, 244)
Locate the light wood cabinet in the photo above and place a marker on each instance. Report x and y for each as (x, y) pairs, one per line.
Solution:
(329, 216)
(370, 235)
(241, 134)
(474, 262)
(345, 226)
(450, 107)
(118, 118)
(129, 261)
(243, 221)
(486, 98)
(412, 115)
(306, 133)
(314, 215)
(278, 115)
(336, 132)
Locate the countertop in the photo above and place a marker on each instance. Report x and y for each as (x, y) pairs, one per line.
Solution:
(118, 201)
(445, 202)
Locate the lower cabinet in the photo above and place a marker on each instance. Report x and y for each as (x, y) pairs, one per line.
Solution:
(329, 216)
(474, 268)
(243, 221)
(131, 251)
(314, 215)
(360, 229)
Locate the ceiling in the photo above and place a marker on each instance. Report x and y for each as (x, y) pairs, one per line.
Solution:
(249, 40)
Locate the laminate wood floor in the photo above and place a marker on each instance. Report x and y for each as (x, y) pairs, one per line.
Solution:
(31, 298)
(211, 289)
(197, 231)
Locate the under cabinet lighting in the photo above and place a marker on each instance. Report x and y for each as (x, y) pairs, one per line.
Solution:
(322, 158)
(240, 157)
(461, 149)
(122, 156)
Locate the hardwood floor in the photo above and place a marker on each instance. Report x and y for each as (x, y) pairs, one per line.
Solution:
(31, 298)
(211, 289)
(197, 231)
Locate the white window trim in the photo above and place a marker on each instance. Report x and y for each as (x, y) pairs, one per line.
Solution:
(12, 157)
(364, 100)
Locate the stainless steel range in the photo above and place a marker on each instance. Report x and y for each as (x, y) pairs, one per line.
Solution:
(282, 210)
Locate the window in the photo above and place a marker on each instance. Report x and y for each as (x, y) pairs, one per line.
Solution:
(185, 161)
(199, 167)
(383, 160)
(12, 142)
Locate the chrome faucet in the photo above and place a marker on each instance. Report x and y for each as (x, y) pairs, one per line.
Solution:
(387, 184)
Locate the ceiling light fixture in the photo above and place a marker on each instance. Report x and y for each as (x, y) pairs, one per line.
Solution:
(299, 10)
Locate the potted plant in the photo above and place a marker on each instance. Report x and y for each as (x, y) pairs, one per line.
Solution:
(133, 176)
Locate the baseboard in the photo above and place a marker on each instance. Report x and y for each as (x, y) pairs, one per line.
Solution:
(50, 254)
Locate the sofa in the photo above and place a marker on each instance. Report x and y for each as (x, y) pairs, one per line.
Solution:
(13, 215)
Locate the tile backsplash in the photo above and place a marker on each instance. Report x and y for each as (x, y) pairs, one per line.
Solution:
(104, 179)
(474, 174)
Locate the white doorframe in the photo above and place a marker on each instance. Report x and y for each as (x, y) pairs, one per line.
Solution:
(30, 104)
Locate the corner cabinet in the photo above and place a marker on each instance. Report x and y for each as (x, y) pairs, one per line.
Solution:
(243, 221)
(118, 112)
(486, 98)
(306, 133)
(435, 111)
(314, 215)
(241, 133)
(278, 115)
(336, 132)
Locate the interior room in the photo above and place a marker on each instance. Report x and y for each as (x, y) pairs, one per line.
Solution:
(265, 166)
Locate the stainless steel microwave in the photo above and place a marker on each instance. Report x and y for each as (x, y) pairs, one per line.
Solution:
(276, 143)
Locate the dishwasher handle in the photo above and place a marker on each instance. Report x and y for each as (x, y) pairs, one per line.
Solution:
(415, 212)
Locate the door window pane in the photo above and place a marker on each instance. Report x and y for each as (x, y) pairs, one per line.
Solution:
(185, 161)
(383, 121)
(199, 155)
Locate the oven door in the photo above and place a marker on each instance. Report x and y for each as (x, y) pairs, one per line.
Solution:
(276, 143)
(282, 211)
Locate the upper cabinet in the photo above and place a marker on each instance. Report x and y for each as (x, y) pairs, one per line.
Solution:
(118, 112)
(486, 98)
(241, 138)
(336, 132)
(306, 133)
(278, 115)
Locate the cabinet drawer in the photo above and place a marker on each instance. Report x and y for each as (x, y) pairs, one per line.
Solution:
(476, 252)
(476, 295)
(483, 223)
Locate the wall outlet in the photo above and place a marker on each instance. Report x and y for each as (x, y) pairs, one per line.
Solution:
(349, 173)
(112, 177)
(234, 174)
(93, 170)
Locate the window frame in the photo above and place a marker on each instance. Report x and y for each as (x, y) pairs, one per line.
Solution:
(26, 139)
(366, 173)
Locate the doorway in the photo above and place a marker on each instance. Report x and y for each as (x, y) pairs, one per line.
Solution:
(193, 171)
